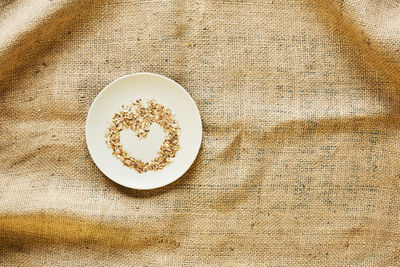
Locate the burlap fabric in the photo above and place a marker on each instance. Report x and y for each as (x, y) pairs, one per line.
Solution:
(299, 163)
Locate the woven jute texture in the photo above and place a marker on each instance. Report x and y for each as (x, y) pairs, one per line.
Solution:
(300, 157)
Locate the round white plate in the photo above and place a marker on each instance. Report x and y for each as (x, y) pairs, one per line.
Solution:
(143, 86)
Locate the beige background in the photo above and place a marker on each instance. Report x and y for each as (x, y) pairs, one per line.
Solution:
(299, 163)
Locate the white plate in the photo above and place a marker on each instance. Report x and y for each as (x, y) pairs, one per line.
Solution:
(144, 86)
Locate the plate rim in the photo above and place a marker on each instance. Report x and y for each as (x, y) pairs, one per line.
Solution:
(179, 175)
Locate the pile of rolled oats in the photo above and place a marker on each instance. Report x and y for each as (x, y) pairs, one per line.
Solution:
(138, 118)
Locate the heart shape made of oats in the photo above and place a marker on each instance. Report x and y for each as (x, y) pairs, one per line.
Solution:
(138, 118)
